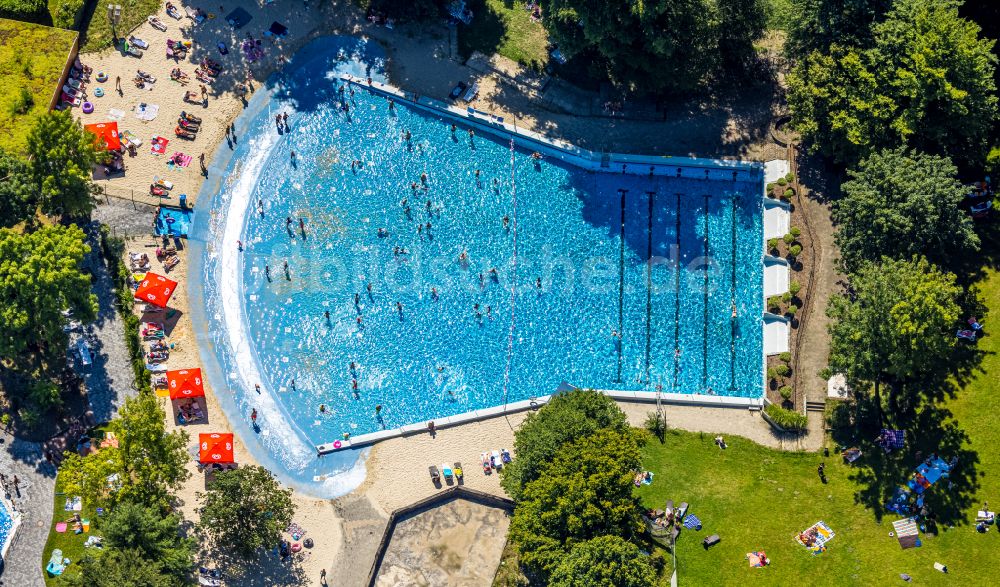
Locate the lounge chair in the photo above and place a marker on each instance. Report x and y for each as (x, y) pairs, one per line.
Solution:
(458, 90)
(681, 510)
(157, 23)
(435, 474)
(138, 42)
(984, 516)
(458, 471)
(471, 93)
(485, 459)
(496, 460)
(447, 471)
(969, 335)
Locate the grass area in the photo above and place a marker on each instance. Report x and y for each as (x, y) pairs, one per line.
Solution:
(759, 499)
(506, 28)
(32, 58)
(71, 544)
(97, 30)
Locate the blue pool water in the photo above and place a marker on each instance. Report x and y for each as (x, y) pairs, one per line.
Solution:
(173, 222)
(6, 522)
(604, 317)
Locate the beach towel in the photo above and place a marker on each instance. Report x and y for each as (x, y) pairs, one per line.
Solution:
(756, 559)
(820, 533)
(691, 522)
(907, 533)
(61, 527)
(73, 504)
(116, 114)
(890, 440)
(131, 139)
(180, 159)
(158, 145)
(146, 112)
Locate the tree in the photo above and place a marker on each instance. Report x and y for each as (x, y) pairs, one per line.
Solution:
(605, 561)
(245, 509)
(900, 204)
(927, 83)
(40, 277)
(583, 493)
(567, 416)
(62, 160)
(657, 46)
(119, 568)
(16, 191)
(147, 463)
(134, 527)
(897, 327)
(818, 24)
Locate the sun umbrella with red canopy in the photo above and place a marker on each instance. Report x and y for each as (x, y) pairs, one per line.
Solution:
(216, 447)
(155, 289)
(108, 131)
(185, 383)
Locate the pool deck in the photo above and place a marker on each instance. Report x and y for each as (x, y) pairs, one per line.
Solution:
(687, 167)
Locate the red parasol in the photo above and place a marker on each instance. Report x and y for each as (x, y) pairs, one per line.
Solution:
(155, 289)
(108, 131)
(185, 383)
(216, 447)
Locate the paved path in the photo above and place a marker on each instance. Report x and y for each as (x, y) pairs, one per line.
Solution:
(23, 565)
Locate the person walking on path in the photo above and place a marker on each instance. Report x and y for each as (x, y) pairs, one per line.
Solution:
(118, 85)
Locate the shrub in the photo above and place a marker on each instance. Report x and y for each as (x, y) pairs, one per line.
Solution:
(786, 297)
(772, 244)
(5, 419)
(774, 303)
(795, 232)
(794, 288)
(788, 194)
(795, 250)
(785, 357)
(656, 425)
(113, 249)
(786, 392)
(825, 373)
(772, 373)
(783, 370)
(839, 416)
(790, 177)
(792, 310)
(770, 189)
(782, 182)
(65, 12)
(788, 238)
(787, 419)
(45, 394)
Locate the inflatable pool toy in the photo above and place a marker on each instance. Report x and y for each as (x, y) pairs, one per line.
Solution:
(336, 444)
(296, 547)
(88, 107)
(98, 92)
(102, 77)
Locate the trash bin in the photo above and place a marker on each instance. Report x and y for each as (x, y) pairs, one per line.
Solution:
(183, 200)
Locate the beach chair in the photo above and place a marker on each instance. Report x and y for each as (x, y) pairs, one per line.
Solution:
(435, 474)
(497, 460)
(156, 23)
(446, 470)
(969, 335)
(471, 93)
(157, 180)
(138, 42)
(984, 516)
(681, 510)
(458, 471)
(485, 460)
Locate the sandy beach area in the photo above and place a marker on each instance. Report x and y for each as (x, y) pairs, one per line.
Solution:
(396, 469)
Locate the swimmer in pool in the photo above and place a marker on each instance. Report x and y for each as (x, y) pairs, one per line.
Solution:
(267, 272)
(506, 222)
(326, 314)
(423, 178)
(538, 283)
(257, 387)
(434, 293)
(453, 129)
(239, 245)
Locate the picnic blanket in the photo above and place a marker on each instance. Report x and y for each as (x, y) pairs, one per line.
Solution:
(116, 114)
(691, 522)
(815, 536)
(757, 559)
(890, 440)
(158, 145)
(73, 504)
(906, 533)
(60, 527)
(146, 112)
(131, 139)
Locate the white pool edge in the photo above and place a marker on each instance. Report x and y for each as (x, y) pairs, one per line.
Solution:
(15, 517)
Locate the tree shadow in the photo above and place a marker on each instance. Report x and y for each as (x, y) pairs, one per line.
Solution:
(266, 570)
(485, 34)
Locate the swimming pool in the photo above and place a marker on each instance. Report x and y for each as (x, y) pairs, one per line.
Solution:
(457, 272)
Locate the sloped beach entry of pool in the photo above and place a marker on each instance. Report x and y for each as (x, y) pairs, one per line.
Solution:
(433, 271)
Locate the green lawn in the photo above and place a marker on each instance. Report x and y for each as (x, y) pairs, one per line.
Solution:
(504, 27)
(756, 498)
(32, 58)
(71, 544)
(97, 29)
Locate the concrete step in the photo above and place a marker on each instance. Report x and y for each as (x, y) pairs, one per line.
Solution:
(815, 406)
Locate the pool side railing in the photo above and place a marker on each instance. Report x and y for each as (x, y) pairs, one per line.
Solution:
(686, 399)
(686, 167)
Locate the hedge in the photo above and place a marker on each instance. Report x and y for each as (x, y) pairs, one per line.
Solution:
(113, 249)
(789, 420)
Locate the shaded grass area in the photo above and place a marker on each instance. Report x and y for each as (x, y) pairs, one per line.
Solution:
(759, 499)
(71, 544)
(96, 29)
(504, 27)
(32, 58)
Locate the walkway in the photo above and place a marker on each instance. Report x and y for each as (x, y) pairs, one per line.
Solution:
(23, 565)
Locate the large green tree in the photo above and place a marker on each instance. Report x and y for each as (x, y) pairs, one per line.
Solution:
(899, 204)
(245, 509)
(927, 82)
(818, 24)
(16, 190)
(133, 526)
(62, 156)
(40, 277)
(147, 464)
(659, 45)
(584, 492)
(115, 567)
(605, 561)
(896, 327)
(567, 416)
